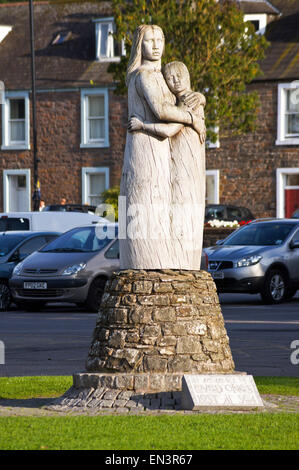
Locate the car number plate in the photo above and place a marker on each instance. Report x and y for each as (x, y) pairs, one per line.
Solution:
(218, 275)
(35, 285)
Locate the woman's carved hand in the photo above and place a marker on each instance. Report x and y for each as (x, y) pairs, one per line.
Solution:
(199, 127)
(135, 124)
(193, 99)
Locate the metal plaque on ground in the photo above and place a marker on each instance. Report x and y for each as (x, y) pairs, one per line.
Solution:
(220, 391)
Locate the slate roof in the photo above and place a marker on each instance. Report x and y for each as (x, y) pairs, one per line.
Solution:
(282, 57)
(257, 6)
(70, 64)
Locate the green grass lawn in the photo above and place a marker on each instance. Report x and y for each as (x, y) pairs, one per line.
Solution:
(54, 386)
(160, 432)
(174, 432)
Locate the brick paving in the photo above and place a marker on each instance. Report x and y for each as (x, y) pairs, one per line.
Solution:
(129, 403)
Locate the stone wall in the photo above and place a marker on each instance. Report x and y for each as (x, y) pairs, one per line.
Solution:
(163, 321)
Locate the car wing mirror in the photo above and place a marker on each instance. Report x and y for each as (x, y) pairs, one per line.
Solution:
(15, 257)
(294, 244)
(219, 242)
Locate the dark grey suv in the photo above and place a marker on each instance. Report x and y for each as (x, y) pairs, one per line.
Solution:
(261, 257)
(228, 212)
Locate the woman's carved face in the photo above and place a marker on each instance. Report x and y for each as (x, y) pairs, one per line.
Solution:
(152, 44)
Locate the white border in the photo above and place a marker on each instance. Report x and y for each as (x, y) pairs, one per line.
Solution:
(6, 174)
(84, 94)
(91, 170)
(216, 175)
(5, 115)
(281, 174)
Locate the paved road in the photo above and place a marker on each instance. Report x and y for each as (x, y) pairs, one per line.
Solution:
(261, 335)
(56, 341)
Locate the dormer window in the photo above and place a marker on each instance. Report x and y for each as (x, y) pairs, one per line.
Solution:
(259, 21)
(4, 30)
(107, 49)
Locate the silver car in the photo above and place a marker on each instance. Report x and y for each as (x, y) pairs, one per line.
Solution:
(261, 257)
(73, 268)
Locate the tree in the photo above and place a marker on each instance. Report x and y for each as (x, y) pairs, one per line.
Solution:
(211, 38)
(110, 197)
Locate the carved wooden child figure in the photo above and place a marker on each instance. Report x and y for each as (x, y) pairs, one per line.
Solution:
(177, 78)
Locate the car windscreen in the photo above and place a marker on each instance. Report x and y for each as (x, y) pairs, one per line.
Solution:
(13, 223)
(7, 243)
(214, 213)
(261, 234)
(83, 239)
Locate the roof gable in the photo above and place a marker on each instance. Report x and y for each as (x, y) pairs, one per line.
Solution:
(71, 63)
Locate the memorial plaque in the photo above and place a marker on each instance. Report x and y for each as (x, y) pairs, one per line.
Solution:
(220, 391)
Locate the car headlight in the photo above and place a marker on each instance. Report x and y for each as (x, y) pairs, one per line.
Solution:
(248, 261)
(17, 269)
(75, 269)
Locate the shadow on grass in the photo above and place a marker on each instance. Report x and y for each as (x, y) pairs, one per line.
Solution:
(26, 402)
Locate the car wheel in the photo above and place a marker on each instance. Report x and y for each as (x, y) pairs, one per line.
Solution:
(275, 287)
(95, 293)
(32, 306)
(5, 297)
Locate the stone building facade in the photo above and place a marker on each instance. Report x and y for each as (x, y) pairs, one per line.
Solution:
(81, 123)
(63, 164)
(261, 170)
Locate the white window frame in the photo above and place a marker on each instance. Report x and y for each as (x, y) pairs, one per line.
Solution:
(86, 171)
(6, 143)
(6, 174)
(98, 32)
(281, 185)
(216, 175)
(261, 18)
(85, 142)
(281, 108)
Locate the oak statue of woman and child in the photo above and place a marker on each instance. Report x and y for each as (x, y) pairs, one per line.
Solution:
(163, 177)
(155, 320)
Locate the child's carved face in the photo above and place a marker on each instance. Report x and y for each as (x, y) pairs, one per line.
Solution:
(177, 78)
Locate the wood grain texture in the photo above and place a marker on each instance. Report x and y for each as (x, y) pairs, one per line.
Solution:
(163, 180)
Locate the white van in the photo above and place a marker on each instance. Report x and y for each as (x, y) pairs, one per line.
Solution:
(46, 221)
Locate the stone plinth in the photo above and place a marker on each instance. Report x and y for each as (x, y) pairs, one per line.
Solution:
(159, 322)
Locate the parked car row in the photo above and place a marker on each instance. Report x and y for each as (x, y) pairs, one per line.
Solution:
(41, 267)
